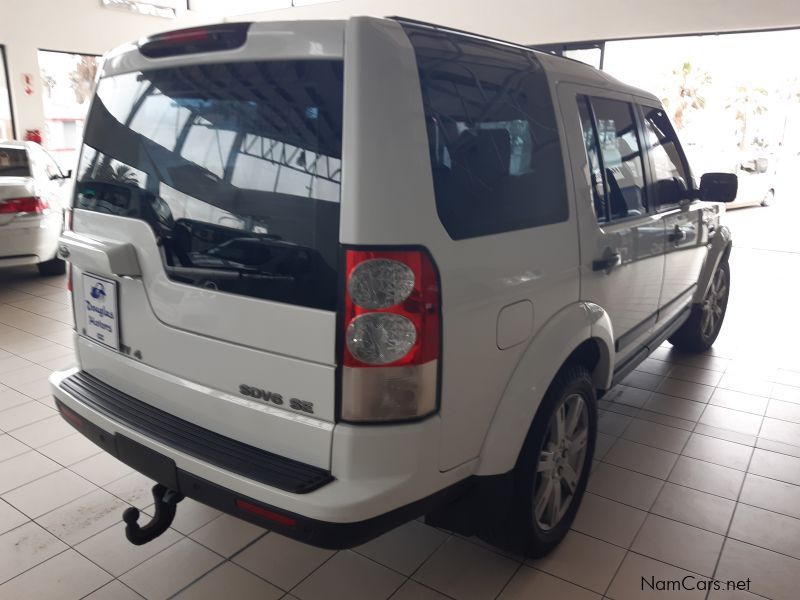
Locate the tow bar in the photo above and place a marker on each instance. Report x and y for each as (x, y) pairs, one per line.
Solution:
(166, 502)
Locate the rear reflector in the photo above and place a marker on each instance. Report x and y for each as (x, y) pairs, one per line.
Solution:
(70, 416)
(31, 204)
(265, 513)
(225, 36)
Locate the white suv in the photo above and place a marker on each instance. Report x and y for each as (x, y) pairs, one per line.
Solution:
(331, 276)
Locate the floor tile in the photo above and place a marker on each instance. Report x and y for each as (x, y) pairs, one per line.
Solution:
(10, 447)
(38, 497)
(631, 396)
(721, 452)
(602, 445)
(584, 560)
(678, 544)
(766, 529)
(171, 570)
(349, 576)
(24, 468)
(192, 515)
(404, 548)
(112, 551)
(746, 384)
(739, 401)
(43, 432)
(82, 518)
(645, 381)
(101, 469)
(226, 534)
(10, 398)
(135, 489)
(529, 583)
(640, 458)
(787, 393)
(775, 465)
(466, 571)
(608, 520)
(66, 576)
(658, 436)
(675, 407)
(735, 420)
(10, 517)
(781, 431)
(686, 389)
(707, 477)
(69, 450)
(769, 572)
(785, 411)
(726, 434)
(25, 547)
(282, 561)
(655, 366)
(694, 507)
(411, 590)
(115, 590)
(625, 486)
(639, 576)
(230, 581)
(771, 494)
(695, 375)
(612, 423)
(24, 414)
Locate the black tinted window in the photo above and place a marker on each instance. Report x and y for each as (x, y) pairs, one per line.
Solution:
(621, 158)
(492, 133)
(14, 163)
(595, 174)
(670, 172)
(236, 167)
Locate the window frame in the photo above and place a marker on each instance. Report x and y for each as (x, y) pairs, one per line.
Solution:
(636, 118)
(641, 105)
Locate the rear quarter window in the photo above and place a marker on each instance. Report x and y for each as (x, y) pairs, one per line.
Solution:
(493, 139)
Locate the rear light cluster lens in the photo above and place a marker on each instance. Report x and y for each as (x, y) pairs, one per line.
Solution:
(31, 205)
(392, 321)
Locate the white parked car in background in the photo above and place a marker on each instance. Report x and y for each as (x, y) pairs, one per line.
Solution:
(33, 203)
(331, 276)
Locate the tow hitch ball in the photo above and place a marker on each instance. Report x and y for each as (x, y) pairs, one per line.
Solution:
(166, 502)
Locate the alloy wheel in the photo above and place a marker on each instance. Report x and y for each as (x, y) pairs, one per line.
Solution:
(560, 461)
(714, 304)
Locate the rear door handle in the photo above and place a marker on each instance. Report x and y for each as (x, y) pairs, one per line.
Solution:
(608, 263)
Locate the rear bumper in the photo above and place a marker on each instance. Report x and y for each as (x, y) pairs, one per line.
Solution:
(29, 241)
(380, 477)
(324, 534)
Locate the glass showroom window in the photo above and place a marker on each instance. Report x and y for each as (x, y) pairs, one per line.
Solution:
(67, 82)
(6, 122)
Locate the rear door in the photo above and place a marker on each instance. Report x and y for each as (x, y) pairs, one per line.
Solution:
(218, 177)
(686, 221)
(622, 242)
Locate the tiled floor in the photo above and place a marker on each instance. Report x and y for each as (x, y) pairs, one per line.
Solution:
(697, 472)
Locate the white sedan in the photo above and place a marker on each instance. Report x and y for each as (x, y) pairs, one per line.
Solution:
(33, 203)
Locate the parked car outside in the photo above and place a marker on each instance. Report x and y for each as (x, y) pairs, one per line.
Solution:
(33, 204)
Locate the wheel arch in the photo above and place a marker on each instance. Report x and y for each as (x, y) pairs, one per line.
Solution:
(719, 249)
(573, 336)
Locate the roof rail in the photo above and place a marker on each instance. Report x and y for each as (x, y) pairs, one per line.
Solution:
(447, 29)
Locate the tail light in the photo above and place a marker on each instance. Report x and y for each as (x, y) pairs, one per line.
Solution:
(30, 205)
(391, 335)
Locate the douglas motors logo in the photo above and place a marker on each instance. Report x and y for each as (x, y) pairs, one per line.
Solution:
(96, 308)
(98, 291)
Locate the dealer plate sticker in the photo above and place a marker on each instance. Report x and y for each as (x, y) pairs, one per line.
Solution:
(100, 304)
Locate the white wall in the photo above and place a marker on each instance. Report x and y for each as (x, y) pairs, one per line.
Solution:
(83, 26)
(546, 21)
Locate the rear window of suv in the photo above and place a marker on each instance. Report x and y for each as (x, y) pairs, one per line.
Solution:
(235, 166)
(494, 147)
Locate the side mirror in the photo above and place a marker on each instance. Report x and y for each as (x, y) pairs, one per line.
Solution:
(718, 187)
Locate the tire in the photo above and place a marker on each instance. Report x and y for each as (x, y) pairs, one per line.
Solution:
(697, 334)
(535, 525)
(769, 198)
(54, 266)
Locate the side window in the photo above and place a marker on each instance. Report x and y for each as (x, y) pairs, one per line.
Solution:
(590, 142)
(671, 174)
(494, 147)
(621, 158)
